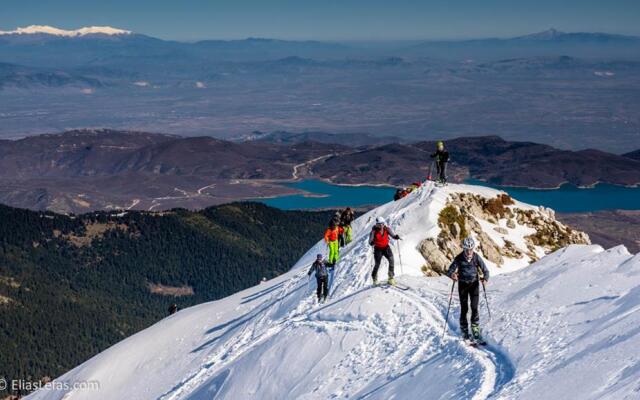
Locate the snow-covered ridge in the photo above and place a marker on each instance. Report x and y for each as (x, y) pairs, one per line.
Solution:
(50, 30)
(564, 327)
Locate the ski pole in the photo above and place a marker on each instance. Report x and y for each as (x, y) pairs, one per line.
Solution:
(400, 258)
(484, 289)
(446, 319)
(308, 283)
(486, 301)
(330, 278)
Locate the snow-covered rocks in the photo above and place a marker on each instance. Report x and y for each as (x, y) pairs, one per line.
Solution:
(50, 30)
(508, 233)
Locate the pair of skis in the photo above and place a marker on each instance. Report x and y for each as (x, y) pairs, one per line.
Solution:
(431, 178)
(385, 285)
(473, 342)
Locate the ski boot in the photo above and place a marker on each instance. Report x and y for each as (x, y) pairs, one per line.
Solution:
(375, 281)
(391, 282)
(477, 336)
(466, 337)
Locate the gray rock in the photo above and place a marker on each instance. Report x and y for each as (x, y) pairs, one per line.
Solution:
(455, 230)
(490, 249)
(436, 260)
(501, 230)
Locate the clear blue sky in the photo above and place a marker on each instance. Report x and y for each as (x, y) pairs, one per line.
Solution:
(328, 19)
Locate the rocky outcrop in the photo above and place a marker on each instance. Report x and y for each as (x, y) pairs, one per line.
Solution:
(437, 262)
(496, 224)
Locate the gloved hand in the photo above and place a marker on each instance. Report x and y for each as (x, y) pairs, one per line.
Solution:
(454, 276)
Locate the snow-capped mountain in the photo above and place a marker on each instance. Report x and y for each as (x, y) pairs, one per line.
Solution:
(564, 327)
(50, 30)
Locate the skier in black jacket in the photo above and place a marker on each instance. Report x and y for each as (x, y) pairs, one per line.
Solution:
(469, 269)
(321, 269)
(441, 157)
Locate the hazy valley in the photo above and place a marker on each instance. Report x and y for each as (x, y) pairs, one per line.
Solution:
(566, 90)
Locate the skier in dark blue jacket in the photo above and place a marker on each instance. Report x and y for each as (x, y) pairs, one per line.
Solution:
(321, 268)
(468, 269)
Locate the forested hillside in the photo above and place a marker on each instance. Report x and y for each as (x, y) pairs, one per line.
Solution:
(72, 286)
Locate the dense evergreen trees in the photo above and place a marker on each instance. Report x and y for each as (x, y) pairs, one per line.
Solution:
(70, 286)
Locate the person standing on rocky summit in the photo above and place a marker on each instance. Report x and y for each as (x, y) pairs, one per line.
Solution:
(441, 158)
(468, 269)
(379, 239)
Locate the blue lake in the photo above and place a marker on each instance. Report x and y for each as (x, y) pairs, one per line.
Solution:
(332, 196)
(566, 199)
(569, 198)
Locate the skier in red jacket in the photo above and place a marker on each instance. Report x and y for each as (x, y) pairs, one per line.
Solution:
(379, 239)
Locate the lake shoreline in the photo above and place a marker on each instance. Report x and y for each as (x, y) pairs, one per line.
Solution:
(479, 182)
(320, 194)
(559, 187)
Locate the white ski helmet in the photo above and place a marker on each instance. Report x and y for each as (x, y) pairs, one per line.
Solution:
(380, 220)
(468, 243)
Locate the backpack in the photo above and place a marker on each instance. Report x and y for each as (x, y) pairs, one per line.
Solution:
(380, 238)
(321, 269)
(476, 262)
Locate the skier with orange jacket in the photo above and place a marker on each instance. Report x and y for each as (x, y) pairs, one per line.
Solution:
(332, 239)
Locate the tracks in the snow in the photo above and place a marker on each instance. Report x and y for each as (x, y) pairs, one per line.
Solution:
(391, 346)
(499, 368)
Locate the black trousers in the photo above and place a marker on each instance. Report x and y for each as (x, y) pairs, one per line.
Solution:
(323, 286)
(469, 291)
(442, 171)
(377, 257)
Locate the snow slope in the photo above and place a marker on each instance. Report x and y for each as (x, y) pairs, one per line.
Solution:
(567, 326)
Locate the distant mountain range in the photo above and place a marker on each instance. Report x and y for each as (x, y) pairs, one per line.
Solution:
(547, 43)
(345, 139)
(99, 45)
(103, 169)
(554, 35)
(79, 171)
(18, 76)
(45, 31)
(608, 228)
(537, 165)
(634, 154)
(487, 158)
(51, 46)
